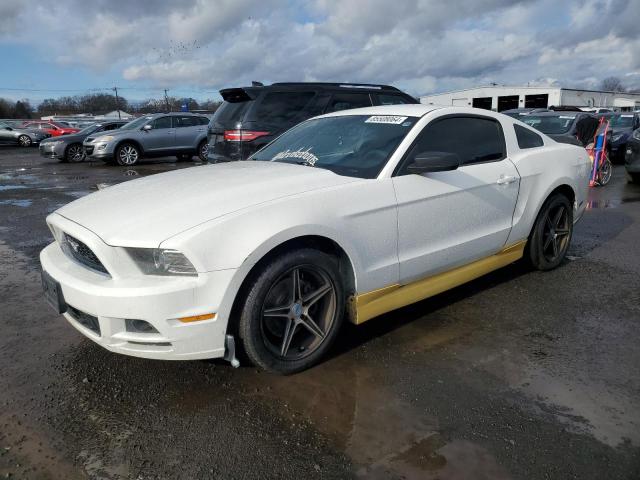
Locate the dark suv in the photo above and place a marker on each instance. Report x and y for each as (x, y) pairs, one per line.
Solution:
(250, 117)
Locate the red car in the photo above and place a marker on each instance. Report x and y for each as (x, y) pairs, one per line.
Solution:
(55, 129)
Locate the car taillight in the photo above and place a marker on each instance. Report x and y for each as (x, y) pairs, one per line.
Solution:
(242, 135)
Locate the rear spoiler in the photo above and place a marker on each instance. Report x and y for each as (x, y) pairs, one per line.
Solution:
(237, 95)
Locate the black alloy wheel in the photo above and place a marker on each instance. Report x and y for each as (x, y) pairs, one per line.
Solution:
(293, 311)
(551, 234)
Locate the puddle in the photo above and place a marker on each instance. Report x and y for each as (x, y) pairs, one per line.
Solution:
(10, 187)
(384, 435)
(16, 203)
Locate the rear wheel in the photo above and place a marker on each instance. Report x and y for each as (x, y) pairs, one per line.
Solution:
(127, 155)
(551, 234)
(203, 148)
(74, 153)
(293, 311)
(604, 172)
(24, 141)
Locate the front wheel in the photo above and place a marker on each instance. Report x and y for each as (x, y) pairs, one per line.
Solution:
(551, 234)
(74, 153)
(127, 155)
(604, 172)
(24, 141)
(293, 311)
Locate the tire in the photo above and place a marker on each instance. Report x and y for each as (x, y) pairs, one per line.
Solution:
(127, 155)
(551, 234)
(203, 147)
(635, 177)
(74, 153)
(184, 157)
(283, 334)
(25, 141)
(604, 172)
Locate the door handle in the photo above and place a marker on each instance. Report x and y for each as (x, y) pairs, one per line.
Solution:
(506, 179)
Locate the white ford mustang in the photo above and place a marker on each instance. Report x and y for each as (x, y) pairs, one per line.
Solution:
(345, 216)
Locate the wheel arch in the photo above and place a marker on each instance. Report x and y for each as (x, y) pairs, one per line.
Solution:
(562, 188)
(128, 140)
(314, 241)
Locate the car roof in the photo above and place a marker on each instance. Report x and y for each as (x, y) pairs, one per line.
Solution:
(405, 110)
(569, 113)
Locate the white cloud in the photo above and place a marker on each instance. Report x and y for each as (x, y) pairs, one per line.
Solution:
(419, 45)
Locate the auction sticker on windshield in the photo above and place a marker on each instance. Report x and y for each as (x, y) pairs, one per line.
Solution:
(389, 119)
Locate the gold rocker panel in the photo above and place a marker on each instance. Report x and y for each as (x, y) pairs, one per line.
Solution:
(383, 300)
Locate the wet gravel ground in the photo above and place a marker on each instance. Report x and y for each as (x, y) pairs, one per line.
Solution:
(519, 374)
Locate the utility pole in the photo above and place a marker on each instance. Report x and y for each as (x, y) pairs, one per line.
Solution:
(115, 89)
(166, 100)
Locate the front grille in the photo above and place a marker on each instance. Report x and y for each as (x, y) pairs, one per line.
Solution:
(81, 253)
(84, 319)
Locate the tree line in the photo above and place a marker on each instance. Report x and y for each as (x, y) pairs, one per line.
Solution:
(98, 103)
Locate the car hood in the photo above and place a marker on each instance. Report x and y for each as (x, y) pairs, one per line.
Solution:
(112, 133)
(145, 212)
(71, 137)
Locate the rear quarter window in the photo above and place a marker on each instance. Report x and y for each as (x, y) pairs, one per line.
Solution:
(527, 138)
(282, 107)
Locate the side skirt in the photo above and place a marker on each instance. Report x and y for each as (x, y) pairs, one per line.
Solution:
(371, 304)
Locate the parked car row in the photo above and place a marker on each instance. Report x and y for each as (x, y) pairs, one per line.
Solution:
(25, 137)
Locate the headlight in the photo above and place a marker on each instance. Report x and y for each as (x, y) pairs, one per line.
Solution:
(105, 138)
(158, 261)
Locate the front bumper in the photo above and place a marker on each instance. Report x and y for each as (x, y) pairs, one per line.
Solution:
(92, 151)
(111, 300)
(48, 150)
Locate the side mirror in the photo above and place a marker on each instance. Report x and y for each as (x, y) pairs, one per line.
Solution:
(434, 162)
(147, 127)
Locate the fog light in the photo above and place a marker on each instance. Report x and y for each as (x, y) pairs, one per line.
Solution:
(139, 326)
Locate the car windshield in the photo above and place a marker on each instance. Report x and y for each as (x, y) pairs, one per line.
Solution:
(137, 123)
(351, 145)
(89, 129)
(549, 124)
(621, 121)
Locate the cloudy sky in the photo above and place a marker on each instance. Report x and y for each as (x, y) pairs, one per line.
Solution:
(195, 47)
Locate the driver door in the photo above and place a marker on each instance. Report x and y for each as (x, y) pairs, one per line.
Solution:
(451, 218)
(161, 137)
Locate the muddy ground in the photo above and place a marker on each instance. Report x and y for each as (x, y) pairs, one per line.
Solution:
(519, 374)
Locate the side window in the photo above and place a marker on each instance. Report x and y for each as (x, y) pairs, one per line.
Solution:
(346, 101)
(384, 99)
(111, 126)
(473, 139)
(527, 138)
(162, 122)
(185, 121)
(282, 107)
(203, 120)
(47, 126)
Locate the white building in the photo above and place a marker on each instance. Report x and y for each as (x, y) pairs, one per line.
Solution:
(499, 98)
